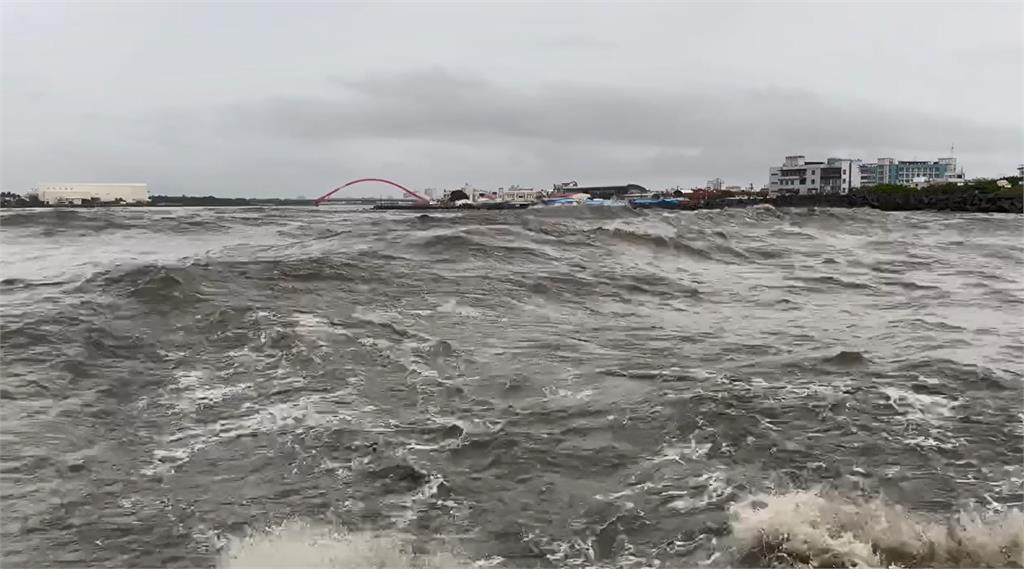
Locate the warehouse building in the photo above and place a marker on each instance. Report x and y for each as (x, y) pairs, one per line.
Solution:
(79, 193)
(607, 192)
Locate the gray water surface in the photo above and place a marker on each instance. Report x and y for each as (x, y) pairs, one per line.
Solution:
(550, 387)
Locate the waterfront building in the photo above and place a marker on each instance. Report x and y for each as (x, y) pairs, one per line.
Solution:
(515, 194)
(912, 173)
(79, 193)
(799, 176)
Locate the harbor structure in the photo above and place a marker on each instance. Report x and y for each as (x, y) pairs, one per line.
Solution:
(914, 173)
(77, 193)
(799, 176)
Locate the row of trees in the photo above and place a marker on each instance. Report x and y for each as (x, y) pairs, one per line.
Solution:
(1008, 185)
(11, 199)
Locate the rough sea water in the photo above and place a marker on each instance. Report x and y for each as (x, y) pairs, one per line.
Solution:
(563, 387)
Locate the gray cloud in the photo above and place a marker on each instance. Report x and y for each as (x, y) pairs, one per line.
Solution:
(734, 132)
(282, 99)
(577, 42)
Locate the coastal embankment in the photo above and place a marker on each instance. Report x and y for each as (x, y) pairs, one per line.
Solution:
(980, 197)
(966, 202)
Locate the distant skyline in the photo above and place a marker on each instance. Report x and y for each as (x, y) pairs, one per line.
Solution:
(282, 100)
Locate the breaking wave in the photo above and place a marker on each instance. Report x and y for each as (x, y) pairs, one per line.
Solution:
(301, 544)
(810, 529)
(801, 529)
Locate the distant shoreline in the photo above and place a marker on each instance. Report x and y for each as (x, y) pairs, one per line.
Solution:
(180, 201)
(981, 196)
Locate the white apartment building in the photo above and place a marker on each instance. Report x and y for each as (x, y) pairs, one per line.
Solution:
(774, 175)
(798, 176)
(78, 193)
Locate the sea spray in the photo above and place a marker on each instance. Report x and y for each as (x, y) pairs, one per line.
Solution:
(812, 529)
(298, 543)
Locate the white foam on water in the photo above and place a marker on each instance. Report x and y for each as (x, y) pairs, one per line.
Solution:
(675, 451)
(301, 544)
(930, 411)
(710, 489)
(314, 327)
(193, 389)
(553, 392)
(307, 411)
(402, 509)
(929, 443)
(627, 492)
(920, 405)
(810, 529)
(451, 306)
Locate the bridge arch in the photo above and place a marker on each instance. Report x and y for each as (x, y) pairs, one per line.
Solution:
(407, 191)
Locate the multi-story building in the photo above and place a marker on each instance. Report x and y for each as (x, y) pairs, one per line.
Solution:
(909, 172)
(774, 174)
(798, 176)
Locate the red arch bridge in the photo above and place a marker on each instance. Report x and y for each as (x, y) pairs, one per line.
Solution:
(404, 189)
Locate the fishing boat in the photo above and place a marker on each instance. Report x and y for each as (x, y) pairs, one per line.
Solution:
(603, 202)
(564, 199)
(661, 203)
(502, 205)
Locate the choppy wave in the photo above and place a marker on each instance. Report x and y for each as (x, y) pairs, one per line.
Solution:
(800, 529)
(809, 529)
(300, 544)
(587, 387)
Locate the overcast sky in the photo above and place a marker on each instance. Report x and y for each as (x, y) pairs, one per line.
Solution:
(267, 99)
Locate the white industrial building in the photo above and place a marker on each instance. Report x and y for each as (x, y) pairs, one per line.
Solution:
(798, 176)
(78, 193)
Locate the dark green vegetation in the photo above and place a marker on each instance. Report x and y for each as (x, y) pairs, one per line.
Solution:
(982, 196)
(991, 196)
(982, 185)
(11, 199)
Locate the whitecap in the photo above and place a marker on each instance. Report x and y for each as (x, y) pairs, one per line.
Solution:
(302, 544)
(811, 529)
(919, 405)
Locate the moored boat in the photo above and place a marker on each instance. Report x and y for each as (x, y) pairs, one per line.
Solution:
(662, 203)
